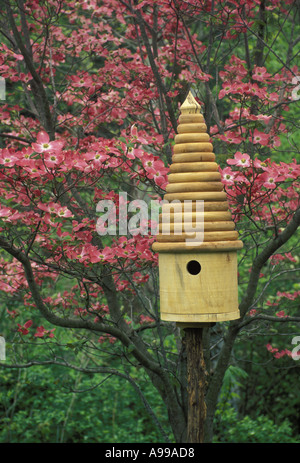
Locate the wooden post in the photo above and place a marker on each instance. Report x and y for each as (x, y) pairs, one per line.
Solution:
(197, 383)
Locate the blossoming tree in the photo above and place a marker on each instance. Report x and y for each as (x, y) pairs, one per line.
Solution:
(93, 90)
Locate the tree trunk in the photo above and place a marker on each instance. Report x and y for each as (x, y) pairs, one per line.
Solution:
(197, 384)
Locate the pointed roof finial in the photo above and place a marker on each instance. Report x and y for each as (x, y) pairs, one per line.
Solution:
(190, 105)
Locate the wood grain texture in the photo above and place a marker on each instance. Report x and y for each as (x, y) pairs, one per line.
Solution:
(208, 206)
(191, 128)
(207, 216)
(209, 296)
(193, 167)
(213, 247)
(197, 385)
(191, 137)
(197, 156)
(202, 195)
(194, 187)
(189, 226)
(225, 235)
(193, 147)
(187, 118)
(184, 177)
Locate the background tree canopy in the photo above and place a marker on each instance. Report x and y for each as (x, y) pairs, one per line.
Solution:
(90, 108)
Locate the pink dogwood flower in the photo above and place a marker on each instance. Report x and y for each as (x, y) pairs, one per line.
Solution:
(44, 144)
(240, 160)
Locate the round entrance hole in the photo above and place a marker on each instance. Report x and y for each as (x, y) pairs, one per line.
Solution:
(193, 267)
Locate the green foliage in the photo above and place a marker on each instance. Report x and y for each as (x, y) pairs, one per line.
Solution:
(232, 429)
(237, 423)
(38, 405)
(273, 390)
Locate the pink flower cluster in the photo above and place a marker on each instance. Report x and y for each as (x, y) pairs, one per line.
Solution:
(281, 353)
(266, 174)
(40, 331)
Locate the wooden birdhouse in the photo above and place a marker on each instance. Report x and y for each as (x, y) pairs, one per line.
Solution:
(197, 241)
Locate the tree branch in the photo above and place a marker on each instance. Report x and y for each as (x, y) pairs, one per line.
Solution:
(269, 318)
(38, 90)
(14, 137)
(263, 257)
(128, 337)
(155, 71)
(207, 87)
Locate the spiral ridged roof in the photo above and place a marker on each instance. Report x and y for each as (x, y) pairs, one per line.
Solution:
(194, 175)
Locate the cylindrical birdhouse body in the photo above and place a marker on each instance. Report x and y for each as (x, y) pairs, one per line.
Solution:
(198, 287)
(197, 241)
